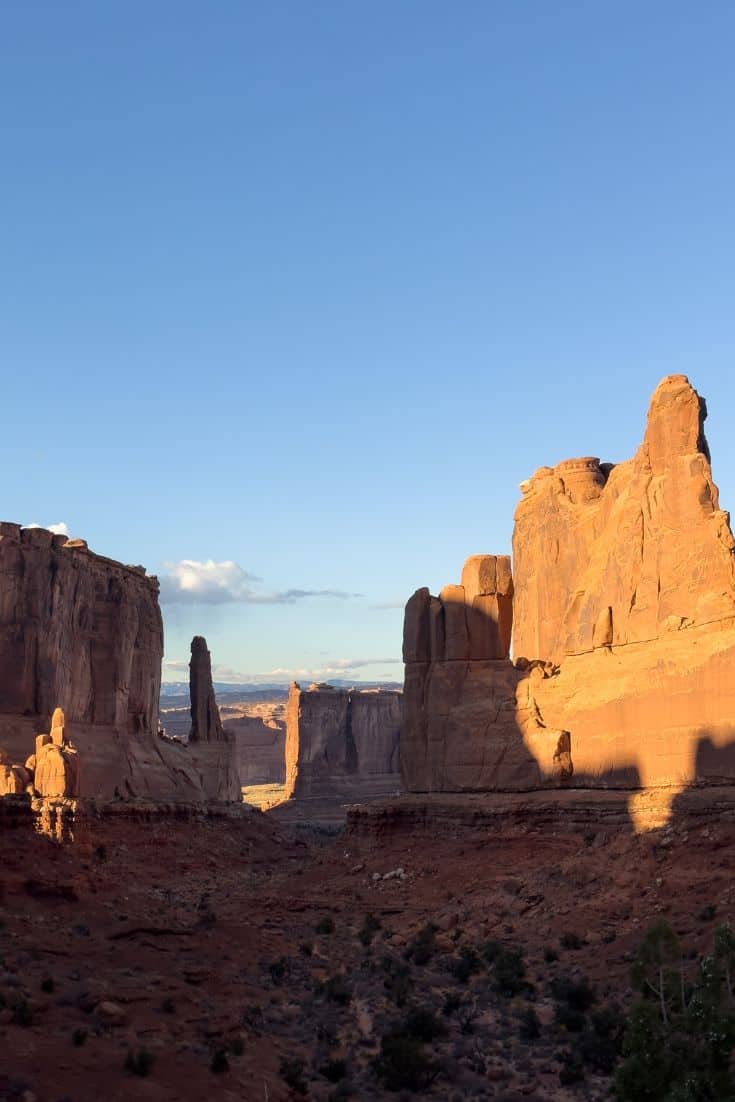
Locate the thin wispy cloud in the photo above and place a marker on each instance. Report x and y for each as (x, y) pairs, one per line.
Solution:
(338, 667)
(218, 583)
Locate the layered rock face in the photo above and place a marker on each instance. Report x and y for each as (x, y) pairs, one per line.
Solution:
(342, 743)
(85, 631)
(623, 631)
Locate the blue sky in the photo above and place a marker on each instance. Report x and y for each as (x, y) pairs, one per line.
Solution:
(310, 288)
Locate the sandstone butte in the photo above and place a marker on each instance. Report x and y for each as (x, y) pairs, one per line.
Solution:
(342, 743)
(85, 633)
(620, 610)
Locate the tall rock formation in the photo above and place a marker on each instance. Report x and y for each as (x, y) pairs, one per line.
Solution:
(623, 631)
(342, 743)
(205, 721)
(84, 631)
(210, 745)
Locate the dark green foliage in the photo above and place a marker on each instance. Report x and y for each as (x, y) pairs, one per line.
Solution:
(680, 1034)
(708, 913)
(491, 950)
(571, 941)
(423, 947)
(219, 1063)
(22, 1013)
(101, 853)
(572, 1069)
(139, 1062)
(369, 929)
(48, 985)
(466, 964)
(306, 949)
(292, 1073)
(397, 983)
(403, 1064)
(530, 1028)
(423, 1025)
(550, 955)
(337, 990)
(78, 1037)
(325, 925)
(576, 993)
(451, 1004)
(509, 973)
(278, 969)
(237, 1046)
(334, 1070)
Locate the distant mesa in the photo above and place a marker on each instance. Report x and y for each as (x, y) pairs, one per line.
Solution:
(621, 611)
(342, 743)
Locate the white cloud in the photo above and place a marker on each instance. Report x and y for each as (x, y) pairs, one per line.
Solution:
(217, 583)
(60, 529)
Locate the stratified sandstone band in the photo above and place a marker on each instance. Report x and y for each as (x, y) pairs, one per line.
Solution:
(623, 628)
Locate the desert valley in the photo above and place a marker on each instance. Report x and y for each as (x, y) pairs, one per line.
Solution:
(510, 879)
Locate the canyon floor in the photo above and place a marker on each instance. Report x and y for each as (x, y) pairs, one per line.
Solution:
(166, 957)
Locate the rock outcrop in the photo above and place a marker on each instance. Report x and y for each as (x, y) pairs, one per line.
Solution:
(623, 627)
(85, 631)
(342, 743)
(211, 747)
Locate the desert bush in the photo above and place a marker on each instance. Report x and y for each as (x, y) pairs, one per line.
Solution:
(530, 1026)
(403, 1064)
(422, 947)
(47, 985)
(509, 973)
(369, 929)
(325, 926)
(465, 965)
(79, 1037)
(336, 989)
(571, 940)
(334, 1070)
(219, 1062)
(139, 1062)
(422, 1024)
(278, 970)
(397, 983)
(550, 955)
(292, 1072)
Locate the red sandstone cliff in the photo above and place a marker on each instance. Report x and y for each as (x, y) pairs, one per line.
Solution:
(85, 633)
(623, 631)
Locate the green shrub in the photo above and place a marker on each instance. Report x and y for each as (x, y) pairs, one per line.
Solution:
(530, 1028)
(278, 969)
(139, 1062)
(423, 1025)
(509, 973)
(325, 925)
(292, 1073)
(402, 1063)
(369, 929)
(219, 1063)
(550, 955)
(423, 946)
(337, 990)
(78, 1037)
(48, 985)
(466, 964)
(397, 983)
(334, 1070)
(571, 941)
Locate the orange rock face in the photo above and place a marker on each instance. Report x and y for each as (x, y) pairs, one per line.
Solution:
(623, 621)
